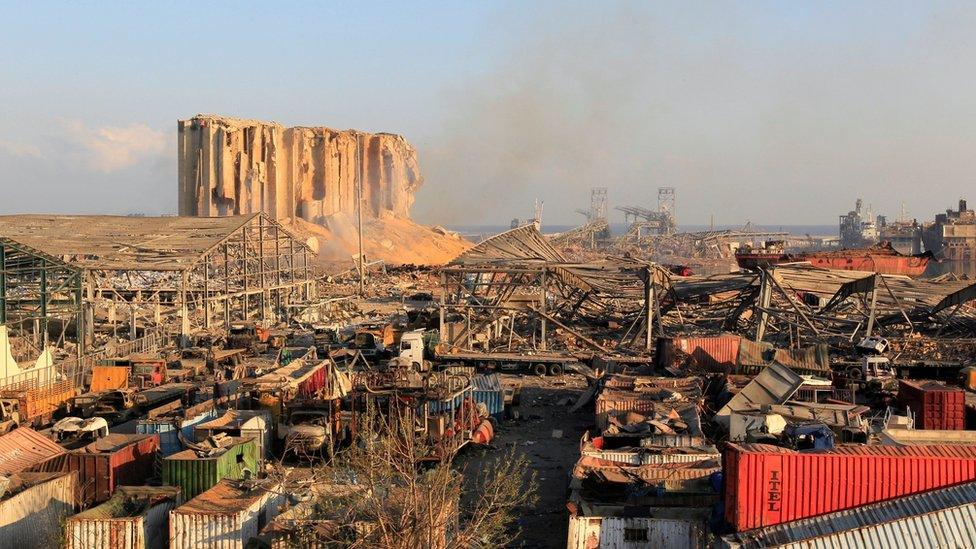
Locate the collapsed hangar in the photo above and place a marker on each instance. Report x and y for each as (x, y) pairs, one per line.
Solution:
(65, 275)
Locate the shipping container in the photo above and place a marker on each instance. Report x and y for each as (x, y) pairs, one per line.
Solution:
(767, 485)
(256, 424)
(135, 517)
(37, 405)
(226, 516)
(488, 391)
(612, 532)
(34, 507)
(107, 378)
(197, 473)
(651, 456)
(716, 354)
(112, 461)
(170, 428)
(24, 449)
(935, 405)
(939, 518)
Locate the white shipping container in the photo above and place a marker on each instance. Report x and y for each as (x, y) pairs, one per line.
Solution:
(224, 517)
(626, 532)
(637, 457)
(102, 527)
(32, 517)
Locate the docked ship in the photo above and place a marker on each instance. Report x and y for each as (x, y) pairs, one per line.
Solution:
(881, 258)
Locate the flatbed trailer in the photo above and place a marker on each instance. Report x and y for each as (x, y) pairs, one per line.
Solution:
(538, 364)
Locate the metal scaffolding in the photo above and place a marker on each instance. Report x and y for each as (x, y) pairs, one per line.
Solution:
(184, 274)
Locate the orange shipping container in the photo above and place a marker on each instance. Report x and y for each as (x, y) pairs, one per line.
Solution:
(767, 485)
(107, 378)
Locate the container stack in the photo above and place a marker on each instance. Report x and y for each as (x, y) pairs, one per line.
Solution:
(647, 476)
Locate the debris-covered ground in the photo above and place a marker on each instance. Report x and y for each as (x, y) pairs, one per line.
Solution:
(548, 435)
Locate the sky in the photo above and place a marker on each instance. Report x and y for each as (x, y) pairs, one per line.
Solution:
(771, 112)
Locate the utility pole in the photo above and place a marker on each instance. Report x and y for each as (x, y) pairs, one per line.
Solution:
(359, 201)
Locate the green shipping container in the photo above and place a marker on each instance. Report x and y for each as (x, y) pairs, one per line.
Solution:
(196, 474)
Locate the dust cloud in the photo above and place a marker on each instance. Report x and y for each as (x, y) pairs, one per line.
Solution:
(776, 116)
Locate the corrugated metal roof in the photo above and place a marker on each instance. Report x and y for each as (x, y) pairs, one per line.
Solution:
(23, 448)
(139, 499)
(490, 382)
(101, 241)
(523, 243)
(112, 442)
(227, 497)
(236, 419)
(946, 516)
(934, 451)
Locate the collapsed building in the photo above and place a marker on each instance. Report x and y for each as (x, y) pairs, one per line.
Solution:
(69, 281)
(315, 178)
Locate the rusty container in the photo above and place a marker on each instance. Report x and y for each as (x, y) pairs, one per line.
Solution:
(113, 461)
(717, 354)
(935, 405)
(767, 485)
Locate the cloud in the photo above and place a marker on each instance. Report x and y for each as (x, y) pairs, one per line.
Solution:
(112, 148)
(20, 150)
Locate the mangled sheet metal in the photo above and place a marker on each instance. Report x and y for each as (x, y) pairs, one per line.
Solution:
(673, 477)
(894, 293)
(832, 415)
(521, 244)
(754, 356)
(774, 385)
(24, 449)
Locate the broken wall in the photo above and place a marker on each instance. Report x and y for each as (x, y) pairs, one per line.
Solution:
(230, 166)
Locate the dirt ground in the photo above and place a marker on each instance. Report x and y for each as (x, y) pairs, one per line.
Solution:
(548, 435)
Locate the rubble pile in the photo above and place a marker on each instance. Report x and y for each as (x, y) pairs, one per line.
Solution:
(703, 410)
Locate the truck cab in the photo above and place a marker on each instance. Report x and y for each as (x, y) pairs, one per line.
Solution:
(412, 348)
(148, 372)
(307, 430)
(871, 370)
(9, 415)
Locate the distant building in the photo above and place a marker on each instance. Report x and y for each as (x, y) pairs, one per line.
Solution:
(953, 235)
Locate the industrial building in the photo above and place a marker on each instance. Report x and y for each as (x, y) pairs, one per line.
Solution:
(64, 278)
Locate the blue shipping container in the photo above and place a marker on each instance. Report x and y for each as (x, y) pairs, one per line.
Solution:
(488, 391)
(166, 428)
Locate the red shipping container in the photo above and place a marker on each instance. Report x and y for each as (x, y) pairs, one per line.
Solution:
(114, 460)
(767, 485)
(719, 353)
(935, 405)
